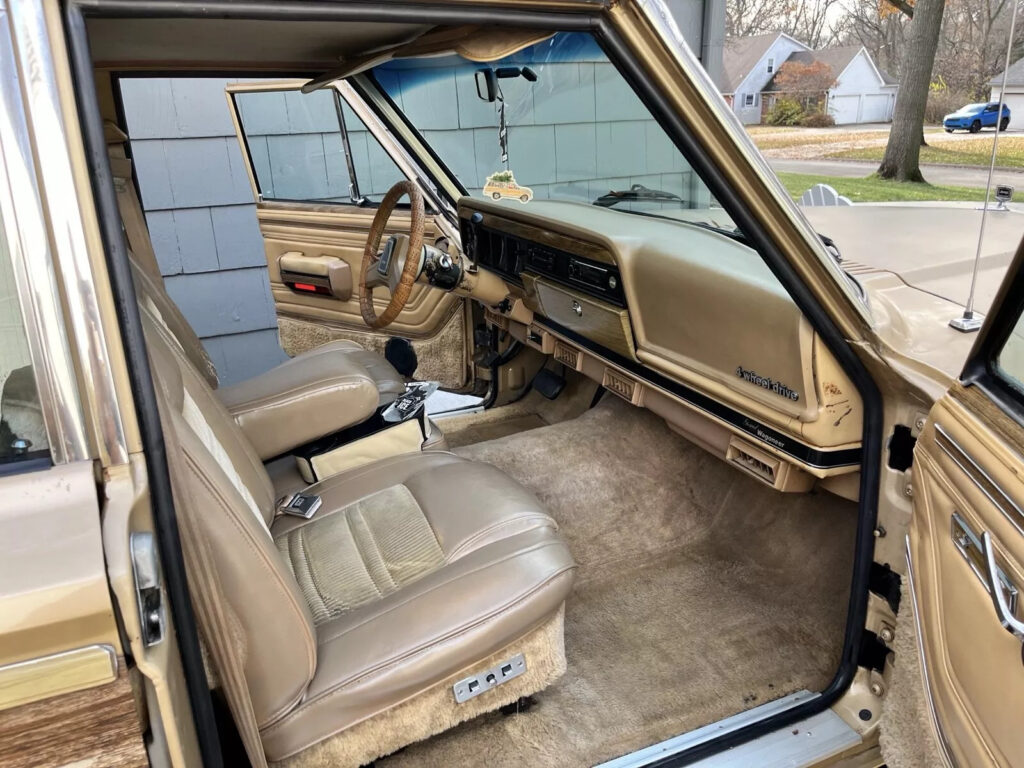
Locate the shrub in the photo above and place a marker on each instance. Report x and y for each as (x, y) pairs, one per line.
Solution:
(785, 112)
(817, 120)
(942, 101)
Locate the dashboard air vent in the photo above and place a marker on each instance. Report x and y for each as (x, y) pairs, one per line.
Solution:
(567, 356)
(622, 385)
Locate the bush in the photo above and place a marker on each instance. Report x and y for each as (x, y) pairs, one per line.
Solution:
(784, 112)
(942, 101)
(817, 120)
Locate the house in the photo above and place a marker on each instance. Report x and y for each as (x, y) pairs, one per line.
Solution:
(1014, 97)
(860, 92)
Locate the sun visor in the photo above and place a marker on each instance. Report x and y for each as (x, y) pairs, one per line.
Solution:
(470, 42)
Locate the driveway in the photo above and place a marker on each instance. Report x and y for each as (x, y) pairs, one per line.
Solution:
(942, 175)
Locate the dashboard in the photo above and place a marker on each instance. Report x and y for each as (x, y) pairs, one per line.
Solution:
(677, 318)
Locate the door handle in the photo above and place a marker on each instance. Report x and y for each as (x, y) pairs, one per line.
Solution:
(1003, 611)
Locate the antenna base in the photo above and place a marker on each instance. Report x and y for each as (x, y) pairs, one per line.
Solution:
(966, 324)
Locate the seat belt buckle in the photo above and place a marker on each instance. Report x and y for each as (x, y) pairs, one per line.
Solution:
(302, 505)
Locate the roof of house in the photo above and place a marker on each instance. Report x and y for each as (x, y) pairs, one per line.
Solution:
(837, 59)
(1014, 75)
(739, 56)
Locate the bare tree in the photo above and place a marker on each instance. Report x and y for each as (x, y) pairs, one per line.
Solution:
(809, 21)
(903, 152)
(882, 33)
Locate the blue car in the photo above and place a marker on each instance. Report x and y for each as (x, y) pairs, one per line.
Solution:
(974, 117)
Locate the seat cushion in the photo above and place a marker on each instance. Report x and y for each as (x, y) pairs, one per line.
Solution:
(389, 382)
(415, 567)
(312, 395)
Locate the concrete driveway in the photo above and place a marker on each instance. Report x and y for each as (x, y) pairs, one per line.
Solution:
(942, 175)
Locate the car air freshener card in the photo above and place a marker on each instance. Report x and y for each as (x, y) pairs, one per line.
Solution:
(503, 184)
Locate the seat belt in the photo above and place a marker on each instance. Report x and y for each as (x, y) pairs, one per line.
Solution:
(209, 601)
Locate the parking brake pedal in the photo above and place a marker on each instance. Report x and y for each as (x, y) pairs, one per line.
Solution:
(470, 687)
(548, 383)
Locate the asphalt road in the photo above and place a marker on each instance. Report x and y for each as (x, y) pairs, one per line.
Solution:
(943, 175)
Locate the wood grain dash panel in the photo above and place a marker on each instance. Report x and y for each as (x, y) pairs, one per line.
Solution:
(96, 727)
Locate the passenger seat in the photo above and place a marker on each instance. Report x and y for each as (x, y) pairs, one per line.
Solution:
(376, 622)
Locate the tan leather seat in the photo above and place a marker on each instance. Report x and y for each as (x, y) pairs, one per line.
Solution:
(338, 358)
(355, 625)
(316, 393)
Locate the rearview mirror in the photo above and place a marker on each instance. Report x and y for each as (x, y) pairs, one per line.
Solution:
(486, 84)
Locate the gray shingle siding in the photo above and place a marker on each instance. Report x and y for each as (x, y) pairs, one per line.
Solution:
(202, 220)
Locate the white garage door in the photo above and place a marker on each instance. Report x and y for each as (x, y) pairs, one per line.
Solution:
(876, 108)
(844, 108)
(1015, 101)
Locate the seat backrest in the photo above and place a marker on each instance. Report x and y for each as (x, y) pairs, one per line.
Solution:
(227, 481)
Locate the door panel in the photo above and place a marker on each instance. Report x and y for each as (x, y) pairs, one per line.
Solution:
(433, 320)
(967, 482)
(316, 169)
(341, 231)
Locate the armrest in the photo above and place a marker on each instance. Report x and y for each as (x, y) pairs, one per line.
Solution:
(301, 400)
(325, 272)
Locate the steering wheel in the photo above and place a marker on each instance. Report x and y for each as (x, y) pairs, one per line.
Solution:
(401, 261)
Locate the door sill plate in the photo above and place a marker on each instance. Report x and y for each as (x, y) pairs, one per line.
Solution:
(803, 743)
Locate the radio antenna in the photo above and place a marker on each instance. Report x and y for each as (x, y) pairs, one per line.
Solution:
(968, 321)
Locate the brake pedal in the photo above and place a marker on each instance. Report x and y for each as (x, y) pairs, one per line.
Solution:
(548, 383)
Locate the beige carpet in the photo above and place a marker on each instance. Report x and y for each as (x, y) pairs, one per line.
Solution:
(701, 593)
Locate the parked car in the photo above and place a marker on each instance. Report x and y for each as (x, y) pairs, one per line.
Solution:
(974, 117)
(717, 474)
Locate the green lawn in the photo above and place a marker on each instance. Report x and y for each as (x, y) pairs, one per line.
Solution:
(875, 190)
(1010, 153)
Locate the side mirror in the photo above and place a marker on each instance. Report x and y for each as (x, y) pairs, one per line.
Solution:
(486, 84)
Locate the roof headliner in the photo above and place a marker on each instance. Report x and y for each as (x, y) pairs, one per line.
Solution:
(236, 43)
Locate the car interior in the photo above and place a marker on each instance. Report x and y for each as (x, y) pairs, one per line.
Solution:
(647, 524)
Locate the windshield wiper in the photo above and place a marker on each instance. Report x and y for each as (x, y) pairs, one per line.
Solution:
(636, 192)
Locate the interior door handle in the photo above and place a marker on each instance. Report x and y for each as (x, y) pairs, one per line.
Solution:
(1003, 611)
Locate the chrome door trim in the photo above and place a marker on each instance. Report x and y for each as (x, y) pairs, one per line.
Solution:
(944, 750)
(57, 193)
(968, 542)
(35, 275)
(977, 475)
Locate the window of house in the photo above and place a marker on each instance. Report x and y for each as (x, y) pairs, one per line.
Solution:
(22, 430)
(749, 99)
(310, 147)
(771, 65)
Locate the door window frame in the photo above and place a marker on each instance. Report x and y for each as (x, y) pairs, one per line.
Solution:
(981, 369)
(345, 94)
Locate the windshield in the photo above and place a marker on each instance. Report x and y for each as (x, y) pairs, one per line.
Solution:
(555, 121)
(972, 107)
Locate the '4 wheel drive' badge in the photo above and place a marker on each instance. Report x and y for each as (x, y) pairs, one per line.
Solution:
(766, 383)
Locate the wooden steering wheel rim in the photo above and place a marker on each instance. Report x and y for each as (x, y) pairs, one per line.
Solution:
(400, 297)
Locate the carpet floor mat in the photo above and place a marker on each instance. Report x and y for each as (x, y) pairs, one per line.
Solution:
(701, 593)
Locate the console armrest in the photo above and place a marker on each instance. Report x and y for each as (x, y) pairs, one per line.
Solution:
(299, 401)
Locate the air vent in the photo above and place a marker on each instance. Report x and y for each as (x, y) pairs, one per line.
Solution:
(567, 355)
(755, 466)
(622, 385)
(767, 467)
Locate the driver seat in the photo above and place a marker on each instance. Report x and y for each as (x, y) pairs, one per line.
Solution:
(316, 393)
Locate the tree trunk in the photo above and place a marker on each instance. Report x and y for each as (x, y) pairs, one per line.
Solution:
(903, 152)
